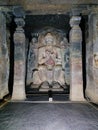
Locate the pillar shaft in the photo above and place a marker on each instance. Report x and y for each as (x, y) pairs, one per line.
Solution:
(4, 58)
(92, 59)
(76, 81)
(19, 61)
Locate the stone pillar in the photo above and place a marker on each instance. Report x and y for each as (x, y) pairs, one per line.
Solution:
(76, 80)
(4, 58)
(92, 58)
(19, 61)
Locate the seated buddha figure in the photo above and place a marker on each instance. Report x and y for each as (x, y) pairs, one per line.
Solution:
(50, 72)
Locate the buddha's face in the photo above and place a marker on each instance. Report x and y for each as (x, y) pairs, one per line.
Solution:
(49, 42)
(49, 39)
(49, 47)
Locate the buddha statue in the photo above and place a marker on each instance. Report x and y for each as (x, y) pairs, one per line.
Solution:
(50, 73)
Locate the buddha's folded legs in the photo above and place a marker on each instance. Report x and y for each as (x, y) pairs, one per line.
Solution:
(59, 75)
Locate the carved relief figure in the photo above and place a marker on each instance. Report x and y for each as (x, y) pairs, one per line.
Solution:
(50, 71)
(32, 58)
(96, 60)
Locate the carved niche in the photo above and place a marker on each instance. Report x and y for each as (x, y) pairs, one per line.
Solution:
(48, 61)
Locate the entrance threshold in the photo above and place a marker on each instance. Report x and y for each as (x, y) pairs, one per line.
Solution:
(54, 102)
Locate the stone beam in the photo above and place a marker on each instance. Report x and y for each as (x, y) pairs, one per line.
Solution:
(57, 2)
(48, 7)
(29, 2)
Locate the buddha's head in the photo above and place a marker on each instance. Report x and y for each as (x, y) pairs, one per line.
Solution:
(49, 39)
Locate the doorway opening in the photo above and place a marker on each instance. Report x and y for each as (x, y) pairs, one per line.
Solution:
(48, 69)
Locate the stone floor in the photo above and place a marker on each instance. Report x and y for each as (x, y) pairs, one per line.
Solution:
(48, 116)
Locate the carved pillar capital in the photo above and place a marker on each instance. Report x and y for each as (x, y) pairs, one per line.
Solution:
(20, 24)
(75, 20)
(75, 33)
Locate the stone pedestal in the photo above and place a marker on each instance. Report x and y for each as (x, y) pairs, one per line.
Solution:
(76, 80)
(19, 62)
(4, 58)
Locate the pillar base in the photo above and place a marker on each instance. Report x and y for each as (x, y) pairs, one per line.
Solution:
(92, 95)
(77, 99)
(18, 92)
(76, 93)
(4, 91)
(19, 98)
